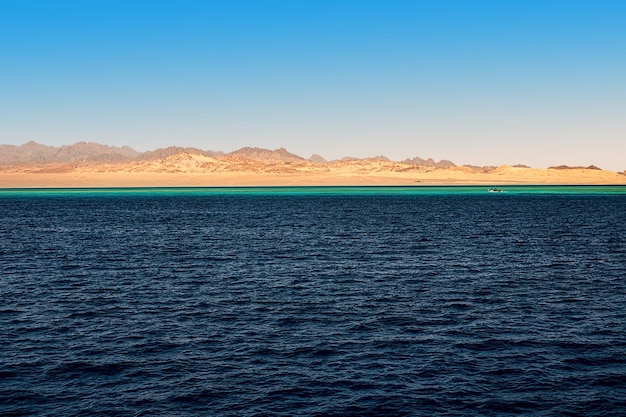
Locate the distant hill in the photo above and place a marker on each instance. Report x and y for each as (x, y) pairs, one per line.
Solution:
(28, 152)
(33, 152)
(429, 163)
(258, 154)
(163, 153)
(317, 159)
(380, 158)
(576, 167)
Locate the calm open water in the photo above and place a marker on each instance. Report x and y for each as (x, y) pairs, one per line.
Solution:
(313, 302)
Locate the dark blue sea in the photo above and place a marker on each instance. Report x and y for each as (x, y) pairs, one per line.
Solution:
(248, 302)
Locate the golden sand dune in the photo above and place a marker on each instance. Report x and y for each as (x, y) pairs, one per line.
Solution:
(188, 169)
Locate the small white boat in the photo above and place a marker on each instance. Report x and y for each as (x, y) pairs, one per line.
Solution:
(495, 190)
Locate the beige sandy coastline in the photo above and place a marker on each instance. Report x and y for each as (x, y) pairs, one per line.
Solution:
(307, 176)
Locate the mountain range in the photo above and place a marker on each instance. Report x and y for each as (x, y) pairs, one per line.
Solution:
(37, 158)
(88, 164)
(90, 152)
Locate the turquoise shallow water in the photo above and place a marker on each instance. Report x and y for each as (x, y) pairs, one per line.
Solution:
(316, 190)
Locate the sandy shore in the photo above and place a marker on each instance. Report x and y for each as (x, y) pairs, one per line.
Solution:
(500, 176)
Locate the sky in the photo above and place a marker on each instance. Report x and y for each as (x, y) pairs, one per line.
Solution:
(477, 82)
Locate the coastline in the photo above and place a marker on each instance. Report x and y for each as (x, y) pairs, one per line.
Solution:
(501, 176)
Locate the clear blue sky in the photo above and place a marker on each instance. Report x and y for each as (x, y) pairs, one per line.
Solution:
(477, 82)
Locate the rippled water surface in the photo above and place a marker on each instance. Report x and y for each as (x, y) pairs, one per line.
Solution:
(313, 302)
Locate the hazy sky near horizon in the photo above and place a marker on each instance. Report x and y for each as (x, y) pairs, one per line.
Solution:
(477, 82)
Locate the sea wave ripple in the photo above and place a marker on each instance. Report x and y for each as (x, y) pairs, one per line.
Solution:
(313, 305)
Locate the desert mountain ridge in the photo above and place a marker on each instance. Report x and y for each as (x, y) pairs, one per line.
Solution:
(88, 164)
(35, 153)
